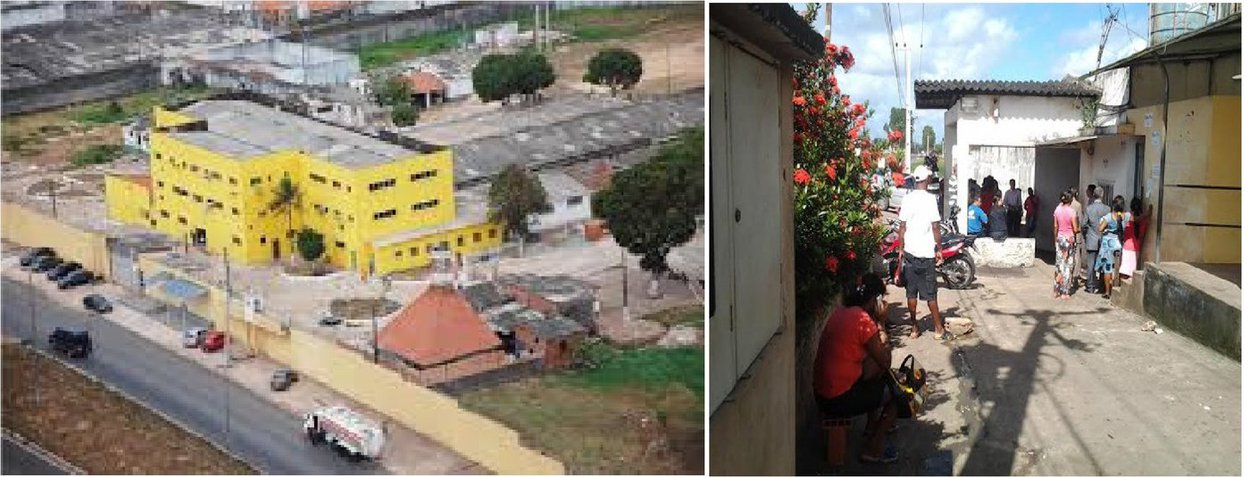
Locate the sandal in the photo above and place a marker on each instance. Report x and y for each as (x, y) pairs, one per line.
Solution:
(945, 336)
(890, 456)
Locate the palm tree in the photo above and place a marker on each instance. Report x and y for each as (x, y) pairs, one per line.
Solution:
(286, 199)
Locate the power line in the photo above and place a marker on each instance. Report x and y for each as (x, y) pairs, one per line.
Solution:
(889, 27)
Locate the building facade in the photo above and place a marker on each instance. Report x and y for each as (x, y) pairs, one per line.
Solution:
(216, 165)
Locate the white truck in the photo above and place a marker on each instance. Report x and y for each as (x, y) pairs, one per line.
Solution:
(349, 432)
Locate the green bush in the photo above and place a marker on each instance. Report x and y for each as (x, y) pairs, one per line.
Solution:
(649, 368)
(110, 112)
(98, 154)
(311, 244)
(404, 114)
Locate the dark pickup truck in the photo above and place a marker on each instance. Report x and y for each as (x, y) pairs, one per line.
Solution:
(71, 343)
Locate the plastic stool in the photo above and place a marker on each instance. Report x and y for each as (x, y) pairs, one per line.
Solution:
(836, 450)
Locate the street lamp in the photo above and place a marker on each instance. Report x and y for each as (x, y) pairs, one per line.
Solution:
(385, 286)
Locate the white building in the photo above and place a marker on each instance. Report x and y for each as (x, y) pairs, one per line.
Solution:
(136, 134)
(994, 128)
(266, 66)
(570, 203)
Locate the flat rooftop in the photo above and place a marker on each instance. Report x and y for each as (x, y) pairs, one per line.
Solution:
(243, 129)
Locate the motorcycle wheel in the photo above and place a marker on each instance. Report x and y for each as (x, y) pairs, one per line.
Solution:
(958, 272)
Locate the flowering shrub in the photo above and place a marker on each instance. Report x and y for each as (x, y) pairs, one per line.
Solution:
(837, 200)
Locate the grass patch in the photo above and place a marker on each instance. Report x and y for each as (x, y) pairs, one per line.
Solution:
(380, 55)
(97, 154)
(603, 420)
(593, 24)
(688, 315)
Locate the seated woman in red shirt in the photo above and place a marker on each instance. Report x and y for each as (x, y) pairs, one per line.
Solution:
(851, 362)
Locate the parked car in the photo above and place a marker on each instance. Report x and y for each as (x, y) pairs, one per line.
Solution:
(75, 278)
(44, 264)
(71, 343)
(330, 320)
(282, 379)
(97, 303)
(60, 271)
(29, 258)
(213, 341)
(192, 337)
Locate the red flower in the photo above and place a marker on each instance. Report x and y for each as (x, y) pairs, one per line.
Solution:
(800, 101)
(854, 133)
(846, 101)
(831, 264)
(858, 109)
(801, 177)
(794, 81)
(831, 172)
(895, 135)
(830, 48)
(845, 51)
(798, 137)
(820, 99)
(833, 81)
(850, 255)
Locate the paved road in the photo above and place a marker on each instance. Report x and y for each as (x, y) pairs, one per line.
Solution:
(16, 460)
(262, 434)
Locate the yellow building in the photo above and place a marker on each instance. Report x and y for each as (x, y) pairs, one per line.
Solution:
(216, 165)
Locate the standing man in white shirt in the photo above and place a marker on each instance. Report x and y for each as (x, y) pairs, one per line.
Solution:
(1015, 209)
(922, 238)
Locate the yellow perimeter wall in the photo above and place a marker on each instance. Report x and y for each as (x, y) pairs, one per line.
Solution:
(26, 226)
(1203, 148)
(439, 417)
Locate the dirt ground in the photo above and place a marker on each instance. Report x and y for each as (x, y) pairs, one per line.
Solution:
(682, 43)
(95, 429)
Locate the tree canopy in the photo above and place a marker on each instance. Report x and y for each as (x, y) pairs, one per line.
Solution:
(928, 138)
(616, 68)
(651, 208)
(514, 195)
(393, 91)
(403, 114)
(497, 77)
(311, 244)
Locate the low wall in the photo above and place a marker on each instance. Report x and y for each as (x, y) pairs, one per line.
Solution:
(1010, 253)
(28, 227)
(387, 391)
(1196, 304)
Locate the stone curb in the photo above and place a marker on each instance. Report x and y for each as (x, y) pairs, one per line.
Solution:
(42, 453)
(144, 405)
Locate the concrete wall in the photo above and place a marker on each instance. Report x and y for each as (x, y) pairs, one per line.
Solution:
(1112, 165)
(1196, 304)
(1202, 202)
(18, 16)
(389, 392)
(76, 89)
(352, 36)
(28, 227)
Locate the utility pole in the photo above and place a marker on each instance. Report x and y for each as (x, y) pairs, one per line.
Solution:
(624, 286)
(34, 333)
(828, 21)
(52, 191)
(537, 23)
(907, 104)
(225, 259)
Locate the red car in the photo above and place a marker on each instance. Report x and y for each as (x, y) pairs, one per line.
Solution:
(213, 341)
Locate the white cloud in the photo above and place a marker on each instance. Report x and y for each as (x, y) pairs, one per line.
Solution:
(959, 42)
(1085, 40)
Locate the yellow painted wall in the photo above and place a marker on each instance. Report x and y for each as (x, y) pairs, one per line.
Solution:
(480, 439)
(415, 253)
(127, 201)
(26, 226)
(1203, 148)
(335, 200)
(162, 118)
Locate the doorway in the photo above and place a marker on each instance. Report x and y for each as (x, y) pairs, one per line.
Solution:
(277, 250)
(1057, 169)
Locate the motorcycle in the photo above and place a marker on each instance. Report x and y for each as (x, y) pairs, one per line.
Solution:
(957, 268)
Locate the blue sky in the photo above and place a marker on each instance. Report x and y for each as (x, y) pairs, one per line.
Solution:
(1000, 41)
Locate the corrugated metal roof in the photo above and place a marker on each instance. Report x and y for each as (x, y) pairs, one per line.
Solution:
(942, 94)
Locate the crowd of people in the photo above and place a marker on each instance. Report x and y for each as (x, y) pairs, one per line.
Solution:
(1108, 235)
(1000, 214)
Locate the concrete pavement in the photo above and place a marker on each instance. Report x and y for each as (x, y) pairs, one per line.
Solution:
(24, 458)
(1048, 387)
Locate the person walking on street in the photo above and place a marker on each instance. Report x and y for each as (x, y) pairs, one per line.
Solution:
(1109, 247)
(1134, 229)
(1065, 231)
(1015, 208)
(921, 238)
(1030, 213)
(1079, 209)
(1091, 224)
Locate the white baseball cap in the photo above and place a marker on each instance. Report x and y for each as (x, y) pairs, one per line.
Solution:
(921, 173)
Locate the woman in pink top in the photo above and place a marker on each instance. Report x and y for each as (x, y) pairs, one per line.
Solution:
(1065, 242)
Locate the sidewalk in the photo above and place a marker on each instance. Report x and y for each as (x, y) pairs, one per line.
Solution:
(406, 451)
(1047, 387)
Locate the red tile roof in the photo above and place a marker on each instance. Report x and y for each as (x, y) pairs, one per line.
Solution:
(425, 82)
(144, 181)
(439, 326)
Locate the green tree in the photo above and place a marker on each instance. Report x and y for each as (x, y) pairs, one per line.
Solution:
(311, 244)
(531, 72)
(616, 68)
(514, 195)
(403, 114)
(286, 199)
(491, 78)
(393, 90)
(97, 154)
(651, 208)
(928, 138)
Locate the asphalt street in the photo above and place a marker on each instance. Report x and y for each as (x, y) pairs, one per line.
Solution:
(262, 434)
(16, 460)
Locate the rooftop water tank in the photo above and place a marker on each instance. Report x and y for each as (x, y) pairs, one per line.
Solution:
(1170, 20)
